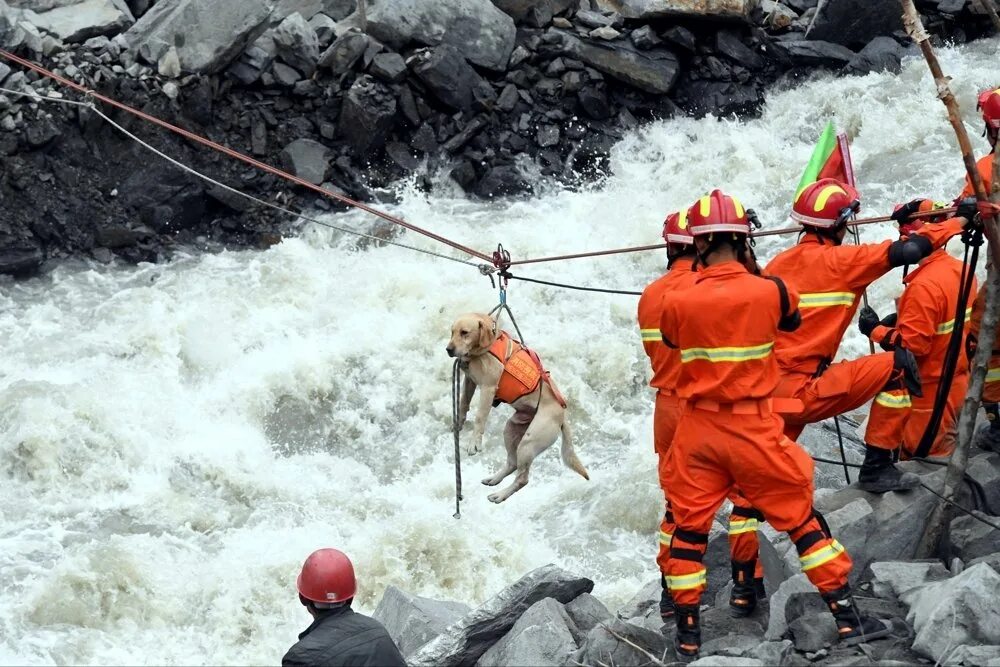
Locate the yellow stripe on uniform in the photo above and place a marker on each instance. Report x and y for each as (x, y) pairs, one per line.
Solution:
(687, 581)
(741, 526)
(821, 556)
(666, 538)
(723, 354)
(826, 299)
(949, 326)
(993, 375)
(888, 400)
(651, 335)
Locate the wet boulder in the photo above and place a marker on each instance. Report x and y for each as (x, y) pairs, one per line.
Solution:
(620, 643)
(78, 22)
(818, 53)
(587, 612)
(467, 640)
(448, 76)
(20, 259)
(345, 52)
(297, 44)
(519, 10)
(368, 115)
(971, 538)
(412, 621)
(882, 54)
(307, 159)
(544, 636)
(854, 23)
(653, 71)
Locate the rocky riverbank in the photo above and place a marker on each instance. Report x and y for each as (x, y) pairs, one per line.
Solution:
(495, 95)
(939, 615)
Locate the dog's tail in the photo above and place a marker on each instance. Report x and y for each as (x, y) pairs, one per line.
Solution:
(569, 454)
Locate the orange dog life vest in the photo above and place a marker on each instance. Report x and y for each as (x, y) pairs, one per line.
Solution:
(522, 371)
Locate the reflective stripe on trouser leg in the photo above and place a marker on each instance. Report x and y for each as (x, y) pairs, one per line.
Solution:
(823, 559)
(743, 524)
(667, 528)
(887, 419)
(686, 576)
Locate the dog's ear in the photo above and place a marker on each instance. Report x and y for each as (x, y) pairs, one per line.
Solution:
(486, 333)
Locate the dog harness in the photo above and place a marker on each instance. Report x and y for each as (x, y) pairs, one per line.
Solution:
(522, 371)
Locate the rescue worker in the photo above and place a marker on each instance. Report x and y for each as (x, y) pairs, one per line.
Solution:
(728, 436)
(831, 278)
(748, 576)
(338, 635)
(988, 436)
(923, 324)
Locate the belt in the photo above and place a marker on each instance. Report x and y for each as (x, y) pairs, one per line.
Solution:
(761, 406)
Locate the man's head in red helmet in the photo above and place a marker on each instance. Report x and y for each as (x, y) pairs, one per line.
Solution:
(677, 234)
(989, 106)
(824, 207)
(326, 581)
(721, 229)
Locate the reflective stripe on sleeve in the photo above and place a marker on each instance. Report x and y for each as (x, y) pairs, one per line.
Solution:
(827, 299)
(726, 354)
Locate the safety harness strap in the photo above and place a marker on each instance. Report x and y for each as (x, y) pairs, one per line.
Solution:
(690, 536)
(685, 554)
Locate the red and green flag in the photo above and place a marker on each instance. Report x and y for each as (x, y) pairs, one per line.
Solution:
(830, 159)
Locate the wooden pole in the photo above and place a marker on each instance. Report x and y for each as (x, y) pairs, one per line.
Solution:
(991, 11)
(363, 14)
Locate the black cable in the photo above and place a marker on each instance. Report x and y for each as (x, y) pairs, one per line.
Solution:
(843, 453)
(574, 287)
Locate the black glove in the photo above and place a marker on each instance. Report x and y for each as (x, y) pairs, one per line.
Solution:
(903, 213)
(968, 208)
(890, 320)
(905, 361)
(867, 320)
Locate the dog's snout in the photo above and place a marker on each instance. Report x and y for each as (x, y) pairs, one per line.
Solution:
(450, 350)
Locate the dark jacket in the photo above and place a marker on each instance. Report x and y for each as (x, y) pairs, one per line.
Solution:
(344, 638)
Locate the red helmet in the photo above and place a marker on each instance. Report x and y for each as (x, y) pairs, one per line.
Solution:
(327, 576)
(989, 104)
(676, 229)
(821, 204)
(926, 205)
(718, 212)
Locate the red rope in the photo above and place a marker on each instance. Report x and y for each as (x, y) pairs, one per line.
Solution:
(240, 156)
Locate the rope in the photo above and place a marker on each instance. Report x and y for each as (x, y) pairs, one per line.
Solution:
(456, 428)
(237, 155)
(843, 452)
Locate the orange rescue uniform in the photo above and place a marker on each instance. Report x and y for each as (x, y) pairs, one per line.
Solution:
(728, 437)
(830, 280)
(925, 321)
(985, 168)
(991, 390)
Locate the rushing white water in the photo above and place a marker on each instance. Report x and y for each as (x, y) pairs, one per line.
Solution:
(175, 439)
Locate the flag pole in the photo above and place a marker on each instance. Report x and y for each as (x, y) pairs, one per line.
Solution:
(845, 153)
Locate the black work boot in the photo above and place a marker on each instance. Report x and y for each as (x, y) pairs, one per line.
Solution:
(758, 585)
(853, 626)
(988, 435)
(688, 639)
(743, 599)
(879, 475)
(666, 601)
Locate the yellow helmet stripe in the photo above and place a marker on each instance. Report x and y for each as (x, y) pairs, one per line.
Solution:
(825, 195)
(705, 206)
(739, 207)
(682, 219)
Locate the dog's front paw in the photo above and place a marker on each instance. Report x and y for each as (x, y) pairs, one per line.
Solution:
(474, 447)
(496, 498)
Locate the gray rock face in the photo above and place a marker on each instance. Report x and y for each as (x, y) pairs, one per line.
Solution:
(367, 115)
(519, 9)
(307, 159)
(297, 44)
(647, 9)
(587, 612)
(726, 661)
(645, 599)
(325, 29)
(985, 469)
(339, 9)
(345, 52)
(973, 539)
(448, 76)
(89, 18)
(480, 31)
(20, 260)
(542, 637)
(773, 653)
(818, 53)
(467, 640)
(389, 67)
(729, 44)
(854, 22)
(730, 645)
(892, 579)
(412, 621)
(605, 646)
(960, 611)
(777, 621)
(654, 71)
(882, 54)
(813, 631)
(209, 34)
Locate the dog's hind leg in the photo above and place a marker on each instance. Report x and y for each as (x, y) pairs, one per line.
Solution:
(541, 433)
(513, 432)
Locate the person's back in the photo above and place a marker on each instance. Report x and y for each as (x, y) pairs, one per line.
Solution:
(343, 637)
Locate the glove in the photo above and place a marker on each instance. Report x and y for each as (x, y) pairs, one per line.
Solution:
(867, 320)
(988, 209)
(903, 213)
(906, 364)
(968, 208)
(889, 320)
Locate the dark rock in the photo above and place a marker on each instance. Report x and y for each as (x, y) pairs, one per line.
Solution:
(284, 75)
(477, 29)
(721, 98)
(882, 54)
(119, 236)
(20, 259)
(773, 653)
(519, 10)
(984, 468)
(466, 641)
(652, 71)
(818, 53)
(255, 61)
(339, 9)
(587, 612)
(40, 133)
(854, 22)
(730, 645)
(729, 44)
(539, 16)
(778, 619)
(508, 98)
(573, 82)
(465, 135)
(518, 56)
(166, 200)
(594, 102)
(447, 75)
(971, 539)
(389, 67)
(951, 6)
(258, 137)
(401, 154)
(605, 646)
(682, 37)
(325, 29)
(307, 159)
(801, 5)
(228, 198)
(412, 621)
(593, 19)
(464, 174)
(501, 181)
(543, 636)
(644, 38)
(345, 52)
(547, 135)
(424, 139)
(367, 116)
(297, 44)
(813, 631)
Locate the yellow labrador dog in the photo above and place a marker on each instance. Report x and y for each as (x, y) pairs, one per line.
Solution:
(506, 372)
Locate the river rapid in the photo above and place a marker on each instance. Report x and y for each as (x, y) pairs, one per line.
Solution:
(176, 438)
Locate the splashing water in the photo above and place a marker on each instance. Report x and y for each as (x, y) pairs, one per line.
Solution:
(175, 439)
